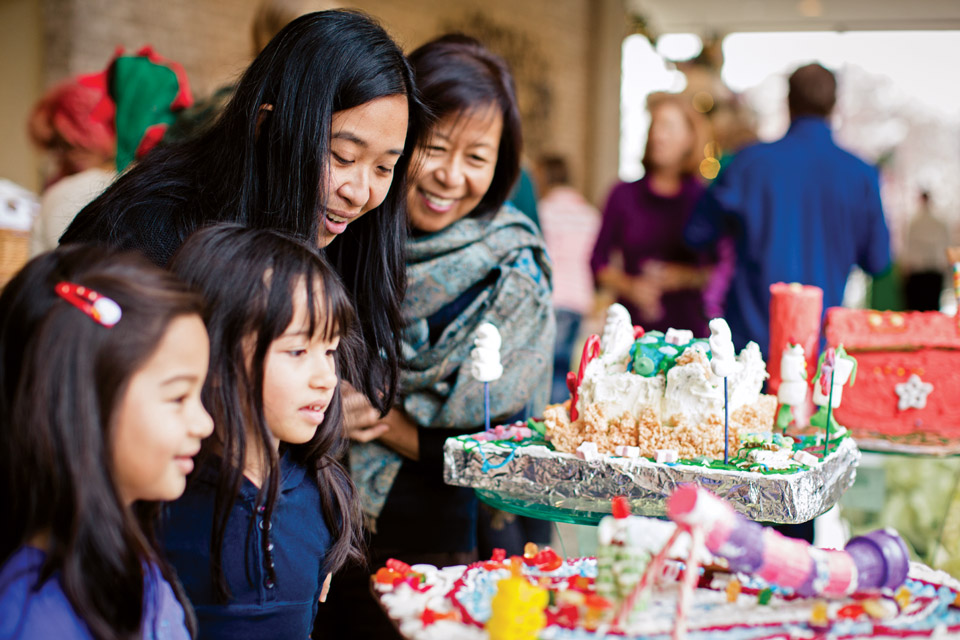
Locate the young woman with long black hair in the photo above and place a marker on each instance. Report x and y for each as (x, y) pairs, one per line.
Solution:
(471, 259)
(316, 142)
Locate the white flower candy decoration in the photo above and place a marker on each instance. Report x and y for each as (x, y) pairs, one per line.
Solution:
(913, 393)
(485, 357)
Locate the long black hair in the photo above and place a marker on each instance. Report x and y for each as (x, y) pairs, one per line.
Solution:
(62, 376)
(248, 279)
(456, 74)
(265, 169)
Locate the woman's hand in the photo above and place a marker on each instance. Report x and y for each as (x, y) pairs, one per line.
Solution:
(645, 294)
(361, 421)
(641, 291)
(402, 435)
(676, 276)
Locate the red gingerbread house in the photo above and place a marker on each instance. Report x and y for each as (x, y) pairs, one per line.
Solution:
(907, 390)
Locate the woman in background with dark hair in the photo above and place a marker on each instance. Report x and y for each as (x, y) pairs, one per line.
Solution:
(321, 123)
(470, 260)
(102, 359)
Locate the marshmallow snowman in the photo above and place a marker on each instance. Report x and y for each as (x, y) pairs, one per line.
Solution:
(617, 338)
(793, 371)
(841, 374)
(723, 362)
(485, 357)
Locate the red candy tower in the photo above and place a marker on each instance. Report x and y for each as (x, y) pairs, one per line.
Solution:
(795, 312)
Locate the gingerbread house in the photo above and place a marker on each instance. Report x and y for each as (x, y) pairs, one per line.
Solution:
(907, 389)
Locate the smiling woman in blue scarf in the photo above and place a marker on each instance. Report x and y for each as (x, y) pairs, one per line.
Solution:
(470, 259)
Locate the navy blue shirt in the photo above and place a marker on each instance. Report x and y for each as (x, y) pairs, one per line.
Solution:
(258, 608)
(800, 209)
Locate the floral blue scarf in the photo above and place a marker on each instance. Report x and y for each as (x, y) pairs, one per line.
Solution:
(436, 391)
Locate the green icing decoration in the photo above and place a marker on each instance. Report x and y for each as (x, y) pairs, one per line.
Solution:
(784, 416)
(540, 428)
(644, 366)
(764, 596)
(652, 354)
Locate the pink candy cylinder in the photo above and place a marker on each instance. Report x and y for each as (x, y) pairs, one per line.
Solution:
(795, 312)
(874, 561)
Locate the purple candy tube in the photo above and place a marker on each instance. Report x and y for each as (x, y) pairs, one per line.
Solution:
(881, 559)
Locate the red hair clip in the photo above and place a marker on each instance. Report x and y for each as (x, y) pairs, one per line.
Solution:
(102, 309)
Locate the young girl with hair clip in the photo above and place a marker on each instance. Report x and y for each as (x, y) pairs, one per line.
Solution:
(102, 360)
(316, 142)
(270, 513)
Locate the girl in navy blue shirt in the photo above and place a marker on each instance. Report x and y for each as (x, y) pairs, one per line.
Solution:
(269, 513)
(102, 360)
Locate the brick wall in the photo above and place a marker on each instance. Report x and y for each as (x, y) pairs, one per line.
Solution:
(549, 42)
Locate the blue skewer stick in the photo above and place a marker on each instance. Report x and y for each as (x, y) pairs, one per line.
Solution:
(726, 426)
(826, 444)
(486, 405)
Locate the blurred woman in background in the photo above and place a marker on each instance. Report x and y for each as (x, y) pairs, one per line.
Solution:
(640, 254)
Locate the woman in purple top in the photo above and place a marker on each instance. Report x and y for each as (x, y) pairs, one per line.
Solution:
(640, 254)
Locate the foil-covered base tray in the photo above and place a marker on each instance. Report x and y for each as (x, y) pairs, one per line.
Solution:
(546, 481)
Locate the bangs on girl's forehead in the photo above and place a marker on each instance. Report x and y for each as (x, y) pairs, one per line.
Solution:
(329, 313)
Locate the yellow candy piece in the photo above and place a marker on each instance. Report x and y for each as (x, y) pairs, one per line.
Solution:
(517, 610)
(875, 609)
(733, 590)
(530, 550)
(818, 615)
(902, 596)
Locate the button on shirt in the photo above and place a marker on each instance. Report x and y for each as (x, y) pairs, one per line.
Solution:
(298, 541)
(801, 209)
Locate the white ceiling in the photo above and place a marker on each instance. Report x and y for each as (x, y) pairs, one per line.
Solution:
(726, 16)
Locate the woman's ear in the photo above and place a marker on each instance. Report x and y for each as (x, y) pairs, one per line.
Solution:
(262, 113)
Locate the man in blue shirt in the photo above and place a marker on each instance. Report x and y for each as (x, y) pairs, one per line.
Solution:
(800, 209)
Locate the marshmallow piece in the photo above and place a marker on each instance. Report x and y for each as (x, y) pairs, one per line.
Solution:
(588, 451)
(793, 364)
(486, 372)
(779, 459)
(666, 456)
(792, 393)
(803, 457)
(487, 337)
(723, 362)
(485, 357)
(617, 335)
(678, 336)
(625, 451)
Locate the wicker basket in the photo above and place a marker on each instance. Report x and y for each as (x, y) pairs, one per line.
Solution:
(14, 252)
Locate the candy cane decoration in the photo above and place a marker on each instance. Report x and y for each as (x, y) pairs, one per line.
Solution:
(591, 349)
